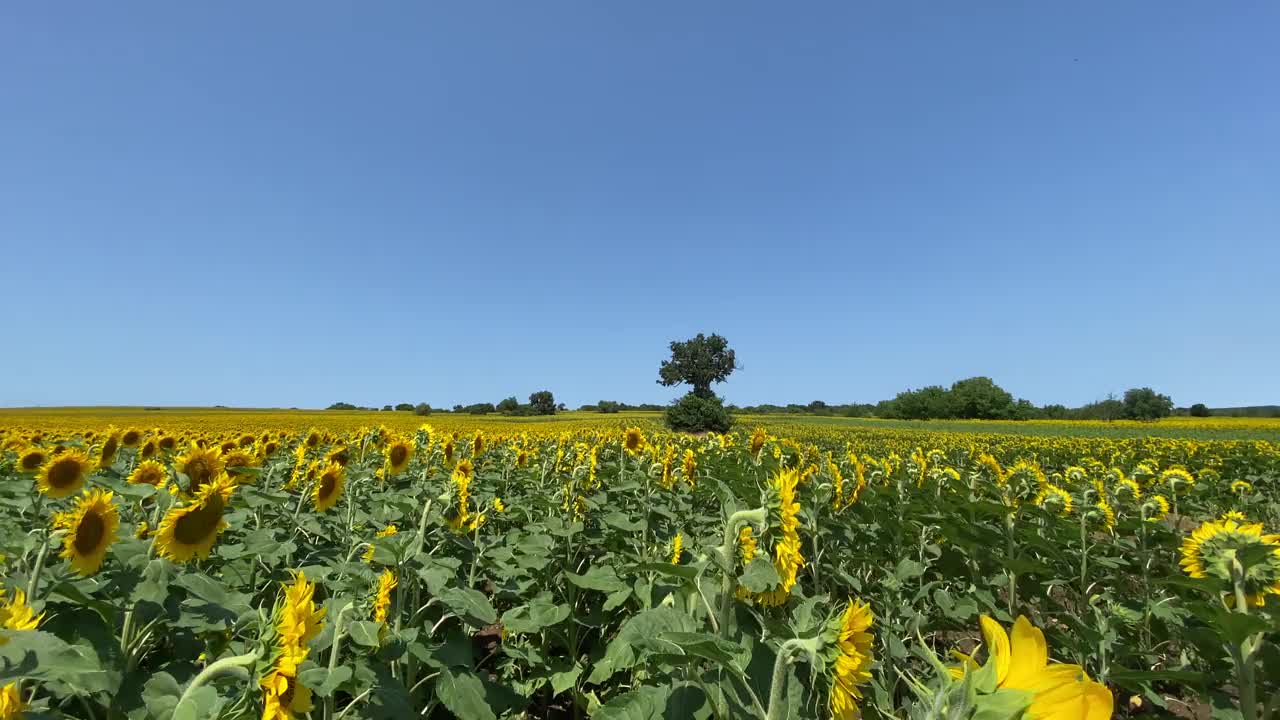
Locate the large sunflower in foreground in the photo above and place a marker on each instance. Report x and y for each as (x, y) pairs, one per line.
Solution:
(849, 657)
(297, 623)
(11, 705)
(1212, 549)
(329, 487)
(190, 530)
(91, 528)
(201, 466)
(65, 474)
(1022, 669)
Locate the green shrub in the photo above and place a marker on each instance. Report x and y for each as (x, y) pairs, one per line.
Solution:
(692, 413)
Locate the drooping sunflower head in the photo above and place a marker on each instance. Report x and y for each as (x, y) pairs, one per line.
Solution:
(1214, 550)
(329, 487)
(64, 474)
(633, 440)
(30, 460)
(110, 446)
(190, 530)
(1241, 487)
(91, 528)
(399, 453)
(477, 444)
(758, 438)
(1156, 508)
(238, 463)
(339, 456)
(149, 472)
(201, 466)
(148, 449)
(848, 651)
(1126, 489)
(1054, 499)
(131, 438)
(1177, 479)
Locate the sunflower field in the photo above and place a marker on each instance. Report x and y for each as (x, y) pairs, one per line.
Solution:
(276, 566)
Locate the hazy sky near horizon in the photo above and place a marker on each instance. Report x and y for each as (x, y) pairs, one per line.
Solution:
(296, 203)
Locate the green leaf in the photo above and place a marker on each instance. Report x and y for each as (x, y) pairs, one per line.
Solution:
(322, 682)
(621, 653)
(703, 645)
(645, 703)
(534, 617)
(75, 665)
(365, 632)
(616, 599)
(1003, 705)
(684, 572)
(470, 605)
(908, 569)
(561, 681)
(463, 694)
(599, 577)
(759, 576)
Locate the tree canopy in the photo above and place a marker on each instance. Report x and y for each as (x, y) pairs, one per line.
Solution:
(698, 361)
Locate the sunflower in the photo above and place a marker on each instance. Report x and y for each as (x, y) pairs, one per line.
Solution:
(297, 623)
(1022, 669)
(339, 456)
(477, 445)
(399, 453)
(312, 439)
(677, 548)
(787, 557)
(148, 450)
(387, 531)
(31, 459)
(849, 657)
(1212, 550)
(1157, 508)
(149, 472)
(498, 505)
(633, 441)
(758, 436)
(15, 614)
(91, 528)
(190, 530)
(110, 446)
(65, 474)
(1178, 479)
(382, 601)
(131, 438)
(329, 487)
(201, 466)
(522, 457)
(447, 451)
(239, 459)
(1108, 513)
(1240, 487)
(1052, 497)
(11, 705)
(167, 443)
(689, 466)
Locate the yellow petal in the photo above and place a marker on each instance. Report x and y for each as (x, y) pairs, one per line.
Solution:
(998, 646)
(1030, 654)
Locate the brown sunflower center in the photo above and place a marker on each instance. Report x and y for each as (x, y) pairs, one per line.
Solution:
(64, 473)
(149, 475)
(31, 461)
(196, 526)
(328, 485)
(131, 438)
(199, 471)
(167, 443)
(398, 454)
(89, 533)
(109, 448)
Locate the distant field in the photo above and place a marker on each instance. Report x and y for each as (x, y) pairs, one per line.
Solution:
(1212, 428)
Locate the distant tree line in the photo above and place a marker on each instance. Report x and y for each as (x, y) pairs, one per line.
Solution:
(540, 403)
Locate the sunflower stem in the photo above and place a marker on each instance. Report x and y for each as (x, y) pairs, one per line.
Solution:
(234, 665)
(779, 684)
(1241, 653)
(33, 583)
(330, 703)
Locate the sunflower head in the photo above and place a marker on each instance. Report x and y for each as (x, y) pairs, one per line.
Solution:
(847, 643)
(131, 438)
(382, 599)
(30, 460)
(189, 530)
(167, 443)
(236, 462)
(149, 472)
(329, 487)
(148, 449)
(677, 548)
(201, 466)
(1229, 550)
(284, 697)
(1241, 487)
(110, 446)
(339, 456)
(64, 474)
(632, 441)
(15, 614)
(399, 453)
(91, 528)
(1156, 508)
(477, 444)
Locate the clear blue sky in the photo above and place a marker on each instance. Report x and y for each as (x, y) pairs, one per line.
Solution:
(294, 203)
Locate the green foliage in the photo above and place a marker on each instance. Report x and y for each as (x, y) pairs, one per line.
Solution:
(698, 361)
(1146, 404)
(1199, 410)
(404, 407)
(509, 405)
(543, 403)
(694, 413)
(422, 409)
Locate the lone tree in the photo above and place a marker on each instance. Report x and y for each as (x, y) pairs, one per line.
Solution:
(1146, 404)
(1199, 410)
(509, 406)
(543, 403)
(698, 361)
